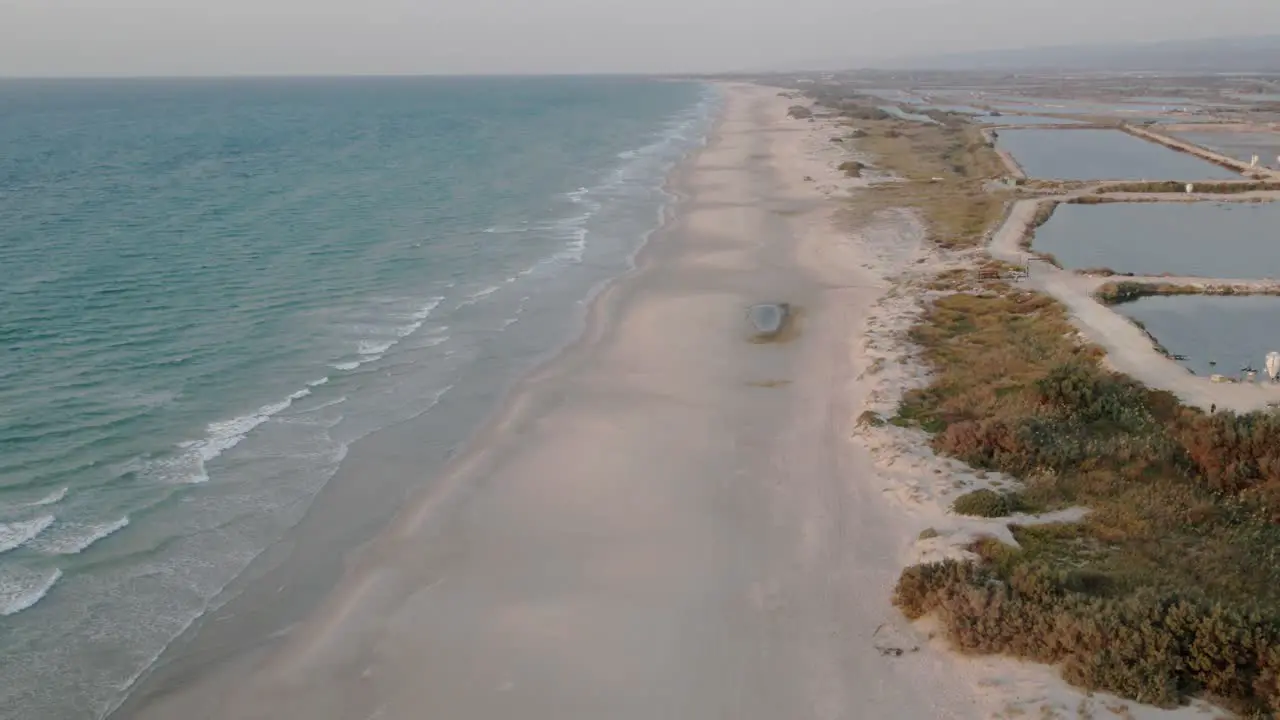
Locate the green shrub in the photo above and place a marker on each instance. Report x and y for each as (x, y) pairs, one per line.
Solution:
(1170, 585)
(987, 503)
(1156, 649)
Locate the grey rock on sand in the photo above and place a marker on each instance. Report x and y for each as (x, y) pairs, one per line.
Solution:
(768, 319)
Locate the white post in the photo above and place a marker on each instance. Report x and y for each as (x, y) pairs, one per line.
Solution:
(1190, 188)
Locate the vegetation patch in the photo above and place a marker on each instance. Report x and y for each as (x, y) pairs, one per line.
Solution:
(1123, 291)
(1170, 586)
(1225, 187)
(987, 503)
(870, 418)
(941, 170)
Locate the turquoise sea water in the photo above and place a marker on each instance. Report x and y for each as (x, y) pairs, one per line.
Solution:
(209, 289)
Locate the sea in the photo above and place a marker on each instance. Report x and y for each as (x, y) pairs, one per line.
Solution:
(209, 289)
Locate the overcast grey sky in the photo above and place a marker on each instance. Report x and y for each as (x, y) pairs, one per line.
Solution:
(232, 37)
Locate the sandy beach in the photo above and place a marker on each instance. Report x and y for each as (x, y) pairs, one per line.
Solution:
(668, 520)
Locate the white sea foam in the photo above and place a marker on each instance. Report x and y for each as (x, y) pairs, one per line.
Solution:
(220, 437)
(374, 347)
(407, 330)
(477, 296)
(318, 383)
(426, 310)
(51, 498)
(20, 589)
(16, 534)
(326, 404)
(77, 538)
(507, 229)
(345, 366)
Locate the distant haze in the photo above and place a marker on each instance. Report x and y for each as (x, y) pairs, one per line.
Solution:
(236, 37)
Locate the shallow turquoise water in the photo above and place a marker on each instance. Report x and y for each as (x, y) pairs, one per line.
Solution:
(209, 289)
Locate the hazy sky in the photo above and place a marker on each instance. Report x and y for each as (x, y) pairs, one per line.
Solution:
(226, 37)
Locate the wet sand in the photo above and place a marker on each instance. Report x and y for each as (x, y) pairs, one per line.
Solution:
(669, 520)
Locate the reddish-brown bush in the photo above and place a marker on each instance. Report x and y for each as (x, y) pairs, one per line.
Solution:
(1231, 452)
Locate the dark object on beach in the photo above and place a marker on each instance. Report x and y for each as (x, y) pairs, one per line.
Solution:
(851, 168)
(808, 178)
(768, 319)
(800, 112)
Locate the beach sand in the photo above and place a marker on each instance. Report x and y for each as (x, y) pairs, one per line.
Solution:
(668, 520)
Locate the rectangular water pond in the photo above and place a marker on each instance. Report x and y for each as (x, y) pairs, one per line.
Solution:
(1239, 145)
(1090, 154)
(1212, 335)
(1201, 239)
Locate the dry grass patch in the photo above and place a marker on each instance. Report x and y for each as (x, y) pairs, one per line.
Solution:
(943, 171)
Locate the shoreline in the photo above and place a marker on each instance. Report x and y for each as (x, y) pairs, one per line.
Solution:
(666, 519)
(199, 657)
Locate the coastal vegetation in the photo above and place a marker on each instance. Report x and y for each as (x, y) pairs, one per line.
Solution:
(1175, 186)
(943, 170)
(1169, 586)
(1123, 291)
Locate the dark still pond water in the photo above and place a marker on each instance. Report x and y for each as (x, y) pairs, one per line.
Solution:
(1227, 240)
(1099, 154)
(1241, 146)
(1231, 332)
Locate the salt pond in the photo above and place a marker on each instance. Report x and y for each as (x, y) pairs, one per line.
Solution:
(1232, 332)
(1239, 145)
(1100, 154)
(1225, 240)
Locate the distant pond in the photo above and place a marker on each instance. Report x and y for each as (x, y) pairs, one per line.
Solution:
(1204, 239)
(1101, 154)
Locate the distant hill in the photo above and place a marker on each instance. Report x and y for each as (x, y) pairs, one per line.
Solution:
(1234, 55)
